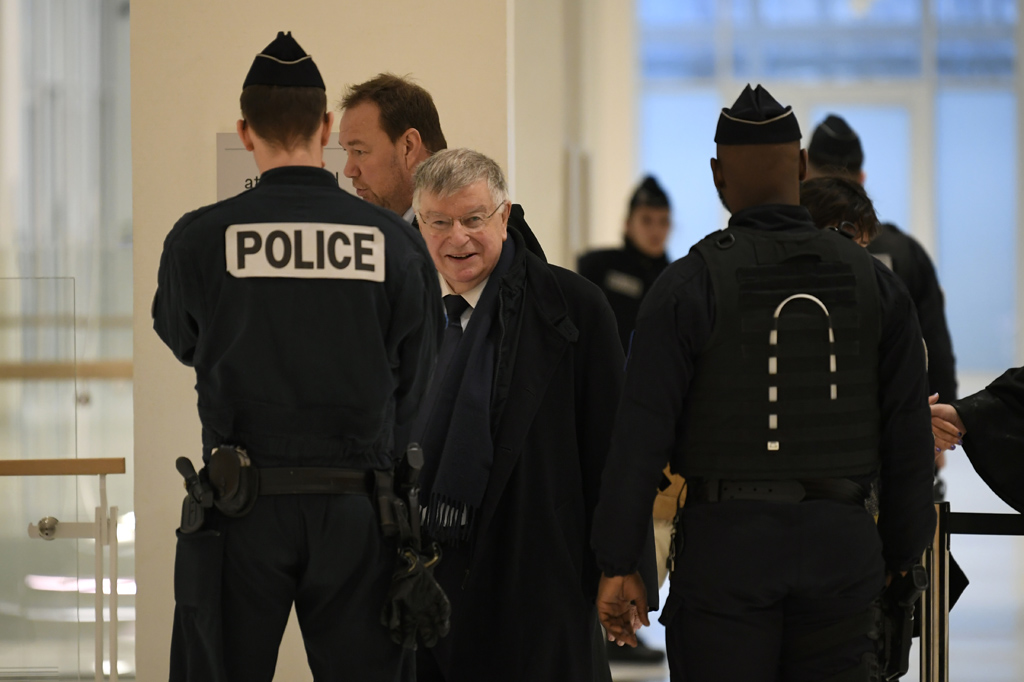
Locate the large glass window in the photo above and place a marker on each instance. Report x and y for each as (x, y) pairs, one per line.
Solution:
(66, 319)
(928, 86)
(976, 209)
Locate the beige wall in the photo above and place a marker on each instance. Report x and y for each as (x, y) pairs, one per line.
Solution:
(609, 115)
(188, 59)
(574, 122)
(540, 109)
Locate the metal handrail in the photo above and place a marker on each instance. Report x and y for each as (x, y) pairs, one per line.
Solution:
(49, 371)
(103, 530)
(935, 614)
(62, 467)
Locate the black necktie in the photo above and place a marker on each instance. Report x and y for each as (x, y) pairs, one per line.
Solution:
(454, 306)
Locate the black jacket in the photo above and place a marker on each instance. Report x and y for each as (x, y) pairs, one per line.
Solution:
(994, 442)
(625, 275)
(308, 371)
(911, 263)
(525, 606)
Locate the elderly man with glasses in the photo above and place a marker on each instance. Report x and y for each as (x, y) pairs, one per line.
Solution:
(514, 429)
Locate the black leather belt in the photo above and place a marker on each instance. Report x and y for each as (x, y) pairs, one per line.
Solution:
(722, 490)
(315, 481)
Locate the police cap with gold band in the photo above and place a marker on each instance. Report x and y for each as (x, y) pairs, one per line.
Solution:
(285, 64)
(756, 118)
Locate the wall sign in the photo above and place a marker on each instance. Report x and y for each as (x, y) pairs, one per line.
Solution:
(237, 172)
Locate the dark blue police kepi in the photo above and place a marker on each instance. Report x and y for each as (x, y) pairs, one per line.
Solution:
(756, 118)
(835, 143)
(285, 64)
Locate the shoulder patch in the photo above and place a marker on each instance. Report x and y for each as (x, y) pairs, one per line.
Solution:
(305, 250)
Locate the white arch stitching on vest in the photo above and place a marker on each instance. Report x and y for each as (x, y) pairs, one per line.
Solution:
(773, 361)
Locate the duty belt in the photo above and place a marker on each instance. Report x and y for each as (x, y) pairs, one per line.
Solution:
(722, 490)
(315, 481)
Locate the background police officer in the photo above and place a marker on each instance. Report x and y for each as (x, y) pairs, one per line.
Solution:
(626, 274)
(780, 369)
(311, 318)
(835, 149)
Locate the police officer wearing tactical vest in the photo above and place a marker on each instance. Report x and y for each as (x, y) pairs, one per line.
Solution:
(312, 320)
(780, 369)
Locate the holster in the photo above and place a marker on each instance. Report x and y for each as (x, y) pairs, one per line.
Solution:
(898, 605)
(228, 482)
(417, 609)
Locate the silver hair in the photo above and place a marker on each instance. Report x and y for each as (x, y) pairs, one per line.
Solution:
(450, 170)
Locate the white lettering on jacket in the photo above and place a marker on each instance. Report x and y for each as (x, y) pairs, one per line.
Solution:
(306, 250)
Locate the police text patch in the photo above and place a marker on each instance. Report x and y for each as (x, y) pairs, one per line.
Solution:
(307, 250)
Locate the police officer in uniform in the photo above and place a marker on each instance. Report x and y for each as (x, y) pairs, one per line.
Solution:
(780, 369)
(626, 274)
(835, 149)
(312, 320)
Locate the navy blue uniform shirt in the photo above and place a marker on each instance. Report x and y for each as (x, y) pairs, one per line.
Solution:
(674, 324)
(312, 319)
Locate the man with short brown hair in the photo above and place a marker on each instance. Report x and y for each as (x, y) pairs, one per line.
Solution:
(389, 126)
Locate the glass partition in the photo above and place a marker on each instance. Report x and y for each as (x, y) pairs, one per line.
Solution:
(53, 406)
(39, 581)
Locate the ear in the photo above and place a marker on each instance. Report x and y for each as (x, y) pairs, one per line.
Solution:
(863, 177)
(716, 173)
(411, 147)
(244, 134)
(325, 129)
(506, 213)
(803, 164)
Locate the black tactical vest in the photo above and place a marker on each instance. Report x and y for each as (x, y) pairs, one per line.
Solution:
(787, 386)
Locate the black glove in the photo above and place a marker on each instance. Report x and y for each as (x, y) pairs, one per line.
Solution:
(417, 608)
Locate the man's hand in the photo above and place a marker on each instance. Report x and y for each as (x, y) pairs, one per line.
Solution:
(947, 427)
(622, 607)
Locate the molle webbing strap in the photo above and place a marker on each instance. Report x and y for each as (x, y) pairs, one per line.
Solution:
(787, 385)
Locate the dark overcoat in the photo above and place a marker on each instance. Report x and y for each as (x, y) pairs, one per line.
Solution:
(525, 607)
(994, 440)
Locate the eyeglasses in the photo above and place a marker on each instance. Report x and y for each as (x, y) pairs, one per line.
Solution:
(473, 221)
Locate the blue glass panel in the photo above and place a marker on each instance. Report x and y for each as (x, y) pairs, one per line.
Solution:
(789, 12)
(743, 12)
(838, 12)
(885, 136)
(975, 11)
(976, 209)
(662, 13)
(976, 57)
(837, 57)
(662, 59)
(887, 12)
(677, 141)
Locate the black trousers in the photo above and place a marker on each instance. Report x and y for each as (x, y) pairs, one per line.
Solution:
(752, 579)
(325, 554)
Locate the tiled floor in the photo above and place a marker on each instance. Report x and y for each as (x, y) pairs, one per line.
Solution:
(987, 625)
